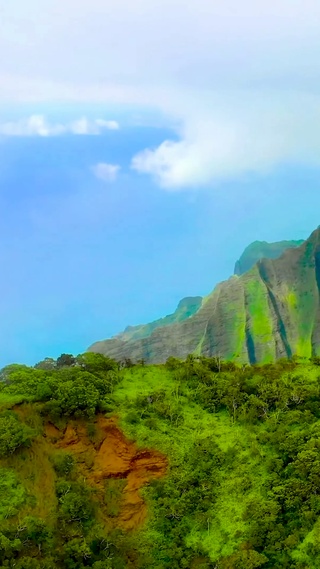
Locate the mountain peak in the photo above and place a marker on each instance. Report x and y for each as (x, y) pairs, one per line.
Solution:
(262, 249)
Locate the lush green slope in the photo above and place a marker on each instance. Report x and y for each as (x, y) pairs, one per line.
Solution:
(271, 311)
(262, 250)
(226, 459)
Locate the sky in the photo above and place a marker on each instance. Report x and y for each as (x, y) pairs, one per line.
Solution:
(143, 146)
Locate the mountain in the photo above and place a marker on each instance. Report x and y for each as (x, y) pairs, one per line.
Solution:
(269, 312)
(262, 250)
(186, 308)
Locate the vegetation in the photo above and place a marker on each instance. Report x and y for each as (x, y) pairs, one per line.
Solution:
(242, 488)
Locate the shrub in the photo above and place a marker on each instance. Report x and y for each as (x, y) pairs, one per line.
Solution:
(63, 463)
(13, 433)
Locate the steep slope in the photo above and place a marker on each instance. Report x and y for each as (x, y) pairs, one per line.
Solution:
(271, 311)
(262, 250)
(186, 308)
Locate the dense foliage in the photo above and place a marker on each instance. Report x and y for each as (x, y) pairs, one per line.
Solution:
(242, 490)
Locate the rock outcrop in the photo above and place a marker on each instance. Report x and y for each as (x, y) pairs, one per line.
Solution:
(269, 312)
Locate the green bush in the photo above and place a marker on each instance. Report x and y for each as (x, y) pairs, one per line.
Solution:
(63, 463)
(74, 502)
(13, 433)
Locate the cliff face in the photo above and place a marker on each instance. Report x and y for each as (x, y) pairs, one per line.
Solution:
(262, 250)
(269, 312)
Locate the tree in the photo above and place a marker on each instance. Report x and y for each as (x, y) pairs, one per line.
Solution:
(28, 563)
(247, 559)
(46, 364)
(66, 360)
(8, 547)
(13, 433)
(76, 552)
(7, 371)
(35, 530)
(96, 363)
(173, 363)
(73, 393)
(74, 502)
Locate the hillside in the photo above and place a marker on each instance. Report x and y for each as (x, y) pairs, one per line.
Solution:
(262, 250)
(198, 464)
(271, 311)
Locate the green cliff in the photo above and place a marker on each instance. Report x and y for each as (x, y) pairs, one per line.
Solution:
(271, 311)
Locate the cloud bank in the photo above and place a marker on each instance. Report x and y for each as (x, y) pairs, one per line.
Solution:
(38, 125)
(240, 81)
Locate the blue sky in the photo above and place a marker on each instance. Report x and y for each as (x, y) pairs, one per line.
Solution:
(141, 149)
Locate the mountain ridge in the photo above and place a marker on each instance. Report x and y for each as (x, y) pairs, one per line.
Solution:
(269, 312)
(186, 308)
(262, 249)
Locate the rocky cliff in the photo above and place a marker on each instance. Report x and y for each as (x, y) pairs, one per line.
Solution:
(271, 311)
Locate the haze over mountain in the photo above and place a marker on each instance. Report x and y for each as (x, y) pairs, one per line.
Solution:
(269, 312)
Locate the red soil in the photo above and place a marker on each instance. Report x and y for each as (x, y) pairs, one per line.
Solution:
(112, 456)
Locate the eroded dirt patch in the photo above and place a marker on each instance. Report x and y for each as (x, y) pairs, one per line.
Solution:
(110, 455)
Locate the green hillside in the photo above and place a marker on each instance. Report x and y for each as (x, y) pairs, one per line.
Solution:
(195, 464)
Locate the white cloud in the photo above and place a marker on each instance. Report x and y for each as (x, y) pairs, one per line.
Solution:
(233, 135)
(110, 125)
(85, 126)
(106, 172)
(38, 125)
(165, 44)
(240, 79)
